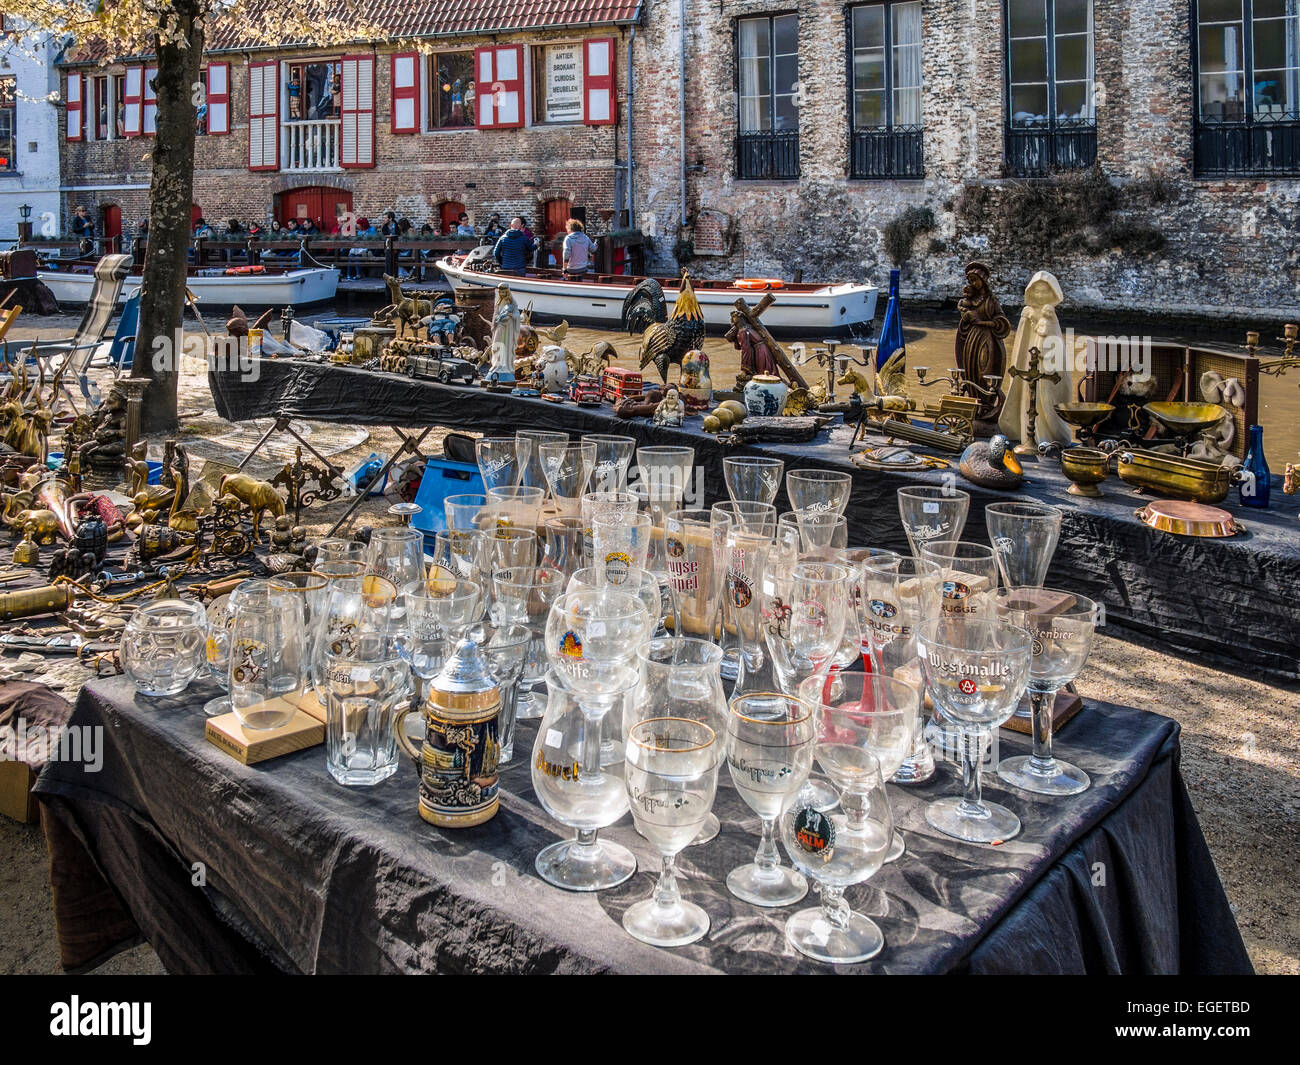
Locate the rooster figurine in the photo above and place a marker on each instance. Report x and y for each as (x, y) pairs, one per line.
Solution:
(665, 339)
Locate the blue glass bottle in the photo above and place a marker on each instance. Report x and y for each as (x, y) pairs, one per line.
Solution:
(1254, 487)
(891, 329)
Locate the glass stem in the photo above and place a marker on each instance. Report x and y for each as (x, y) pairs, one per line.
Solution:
(1041, 704)
(835, 908)
(766, 857)
(666, 894)
(972, 753)
(590, 764)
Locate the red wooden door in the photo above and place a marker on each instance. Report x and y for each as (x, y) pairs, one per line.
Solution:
(557, 213)
(196, 212)
(321, 205)
(112, 227)
(448, 215)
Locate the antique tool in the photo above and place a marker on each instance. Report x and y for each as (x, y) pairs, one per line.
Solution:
(1031, 375)
(54, 644)
(1085, 468)
(1188, 519)
(1175, 476)
(33, 602)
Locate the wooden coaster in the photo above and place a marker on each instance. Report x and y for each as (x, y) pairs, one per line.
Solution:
(1066, 706)
(257, 745)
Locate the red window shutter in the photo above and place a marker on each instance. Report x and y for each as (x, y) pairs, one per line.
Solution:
(405, 82)
(357, 143)
(264, 116)
(598, 97)
(149, 121)
(75, 109)
(132, 96)
(218, 98)
(499, 86)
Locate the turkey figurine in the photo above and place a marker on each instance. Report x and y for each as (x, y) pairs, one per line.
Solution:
(665, 339)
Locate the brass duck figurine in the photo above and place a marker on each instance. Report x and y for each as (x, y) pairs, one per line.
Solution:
(992, 464)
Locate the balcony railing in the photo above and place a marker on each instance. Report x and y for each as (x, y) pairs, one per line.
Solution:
(1039, 150)
(887, 153)
(311, 145)
(769, 155)
(1257, 149)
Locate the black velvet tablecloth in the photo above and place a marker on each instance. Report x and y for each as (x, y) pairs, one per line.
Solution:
(232, 868)
(1229, 602)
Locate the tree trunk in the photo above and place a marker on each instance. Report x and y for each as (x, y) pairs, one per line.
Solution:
(171, 191)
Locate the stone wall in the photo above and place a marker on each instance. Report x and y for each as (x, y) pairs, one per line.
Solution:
(1230, 247)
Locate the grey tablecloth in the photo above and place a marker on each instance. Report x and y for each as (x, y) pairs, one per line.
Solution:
(228, 868)
(1229, 602)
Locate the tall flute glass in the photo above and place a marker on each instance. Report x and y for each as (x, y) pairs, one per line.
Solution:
(932, 512)
(770, 740)
(498, 460)
(760, 522)
(528, 449)
(898, 595)
(975, 670)
(752, 479)
(613, 456)
(1024, 535)
(671, 772)
(1062, 625)
(568, 469)
(666, 475)
(819, 490)
(745, 558)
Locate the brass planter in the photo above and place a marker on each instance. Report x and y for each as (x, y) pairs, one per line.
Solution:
(1085, 468)
(1175, 477)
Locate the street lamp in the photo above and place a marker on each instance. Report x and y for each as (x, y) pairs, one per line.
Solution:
(25, 226)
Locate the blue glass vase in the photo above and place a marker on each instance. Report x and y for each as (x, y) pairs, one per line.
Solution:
(891, 329)
(1254, 488)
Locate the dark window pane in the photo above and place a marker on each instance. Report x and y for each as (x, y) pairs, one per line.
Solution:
(1072, 101)
(869, 26)
(869, 109)
(1072, 16)
(1028, 18)
(785, 74)
(1028, 61)
(1071, 58)
(1271, 46)
(785, 34)
(453, 89)
(1028, 104)
(1219, 10)
(869, 70)
(1220, 48)
(787, 115)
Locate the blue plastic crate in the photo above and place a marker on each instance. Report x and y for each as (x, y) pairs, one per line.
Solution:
(441, 479)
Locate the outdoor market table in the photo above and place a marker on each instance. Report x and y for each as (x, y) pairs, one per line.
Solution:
(232, 868)
(1230, 602)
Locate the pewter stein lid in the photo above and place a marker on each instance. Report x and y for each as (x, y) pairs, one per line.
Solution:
(465, 682)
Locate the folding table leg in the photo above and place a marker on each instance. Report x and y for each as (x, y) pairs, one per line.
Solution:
(409, 444)
(282, 426)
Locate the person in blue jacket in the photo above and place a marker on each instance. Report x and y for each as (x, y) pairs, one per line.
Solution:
(514, 249)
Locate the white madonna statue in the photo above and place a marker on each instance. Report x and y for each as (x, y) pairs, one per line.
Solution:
(1039, 328)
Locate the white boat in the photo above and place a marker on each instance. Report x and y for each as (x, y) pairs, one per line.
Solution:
(212, 287)
(800, 309)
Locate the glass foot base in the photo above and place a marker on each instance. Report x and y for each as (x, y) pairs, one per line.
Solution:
(361, 778)
(577, 866)
(531, 705)
(810, 933)
(709, 830)
(218, 706)
(1064, 779)
(730, 659)
(897, 848)
(666, 926)
(993, 824)
(781, 886)
(915, 770)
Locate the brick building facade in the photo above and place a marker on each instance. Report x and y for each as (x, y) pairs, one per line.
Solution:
(1147, 152)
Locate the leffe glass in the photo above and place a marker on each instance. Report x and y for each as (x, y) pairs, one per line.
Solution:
(865, 712)
(613, 456)
(932, 512)
(694, 545)
(568, 470)
(975, 670)
(680, 678)
(819, 490)
(1024, 535)
(769, 746)
(671, 771)
(498, 460)
(524, 597)
(838, 848)
(752, 478)
(970, 575)
(268, 657)
(1062, 626)
(577, 774)
(897, 595)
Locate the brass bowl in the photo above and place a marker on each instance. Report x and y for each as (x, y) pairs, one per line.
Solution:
(1085, 468)
(1174, 476)
(1084, 415)
(1186, 419)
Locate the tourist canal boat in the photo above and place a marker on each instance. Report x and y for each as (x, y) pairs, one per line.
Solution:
(799, 309)
(271, 286)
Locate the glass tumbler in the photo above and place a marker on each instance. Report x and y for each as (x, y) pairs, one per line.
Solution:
(162, 646)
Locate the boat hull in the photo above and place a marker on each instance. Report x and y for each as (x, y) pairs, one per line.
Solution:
(830, 310)
(299, 288)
